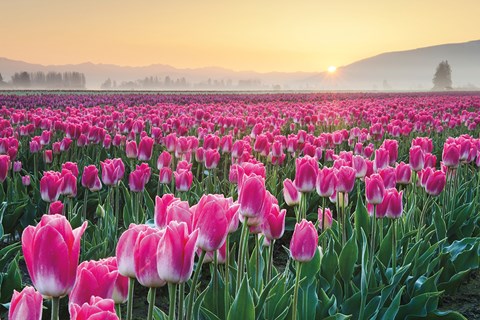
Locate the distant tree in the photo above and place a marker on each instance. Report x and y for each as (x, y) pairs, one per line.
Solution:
(1, 78)
(107, 84)
(442, 79)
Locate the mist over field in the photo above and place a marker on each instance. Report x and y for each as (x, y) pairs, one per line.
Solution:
(402, 70)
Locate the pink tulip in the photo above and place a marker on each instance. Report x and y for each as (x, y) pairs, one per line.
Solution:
(56, 208)
(374, 189)
(416, 158)
(290, 193)
(72, 166)
(328, 218)
(430, 160)
(94, 278)
(161, 204)
(112, 171)
(392, 147)
(35, 146)
(145, 256)
(50, 186)
(131, 149)
(251, 195)
(183, 179)
(48, 156)
(138, 178)
(4, 166)
(26, 305)
(451, 155)
(176, 253)
(164, 160)
(326, 182)
(395, 203)
(306, 174)
(209, 217)
(304, 241)
(381, 159)
(90, 179)
(120, 288)
(435, 183)
(403, 173)
(210, 256)
(389, 177)
(125, 246)
(69, 184)
(51, 251)
(165, 175)
(360, 166)
(345, 179)
(212, 158)
(26, 180)
(96, 309)
(17, 166)
(273, 225)
(145, 149)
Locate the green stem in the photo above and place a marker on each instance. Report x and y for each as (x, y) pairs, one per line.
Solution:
(196, 274)
(181, 296)
(394, 247)
(130, 298)
(227, 276)
(55, 308)
(372, 244)
(215, 280)
(295, 292)
(151, 303)
(85, 205)
(118, 311)
(270, 261)
(241, 254)
(172, 290)
(257, 263)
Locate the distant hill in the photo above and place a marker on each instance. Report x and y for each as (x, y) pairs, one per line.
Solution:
(408, 70)
(402, 70)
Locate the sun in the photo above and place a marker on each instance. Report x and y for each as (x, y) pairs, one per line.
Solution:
(332, 69)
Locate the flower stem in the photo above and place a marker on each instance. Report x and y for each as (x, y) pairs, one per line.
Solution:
(196, 274)
(241, 253)
(151, 303)
(181, 296)
(118, 311)
(227, 276)
(394, 247)
(372, 243)
(55, 308)
(295, 292)
(130, 298)
(172, 290)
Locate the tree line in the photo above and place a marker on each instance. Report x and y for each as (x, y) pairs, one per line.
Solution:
(49, 80)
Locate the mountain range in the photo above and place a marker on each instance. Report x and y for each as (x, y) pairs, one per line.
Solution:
(400, 70)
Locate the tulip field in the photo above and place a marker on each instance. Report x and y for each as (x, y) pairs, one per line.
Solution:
(237, 206)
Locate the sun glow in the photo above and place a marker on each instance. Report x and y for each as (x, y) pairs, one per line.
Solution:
(332, 69)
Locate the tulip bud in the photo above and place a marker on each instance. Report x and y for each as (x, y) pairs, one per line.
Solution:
(306, 174)
(304, 241)
(328, 218)
(290, 193)
(26, 305)
(374, 189)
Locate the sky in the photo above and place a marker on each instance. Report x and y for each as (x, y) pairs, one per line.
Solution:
(257, 35)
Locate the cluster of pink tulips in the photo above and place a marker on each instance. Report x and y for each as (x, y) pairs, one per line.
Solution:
(135, 190)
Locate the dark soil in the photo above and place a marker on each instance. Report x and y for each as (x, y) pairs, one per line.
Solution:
(467, 298)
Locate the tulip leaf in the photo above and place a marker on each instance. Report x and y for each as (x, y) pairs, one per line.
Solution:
(329, 265)
(385, 252)
(158, 314)
(308, 300)
(242, 307)
(12, 280)
(361, 219)
(149, 204)
(310, 269)
(347, 259)
(392, 310)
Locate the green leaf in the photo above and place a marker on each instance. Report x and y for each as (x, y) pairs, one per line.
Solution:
(385, 252)
(308, 299)
(158, 314)
(310, 269)
(361, 220)
(12, 280)
(329, 265)
(347, 259)
(392, 310)
(242, 307)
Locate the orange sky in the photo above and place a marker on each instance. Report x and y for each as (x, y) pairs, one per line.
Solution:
(260, 35)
